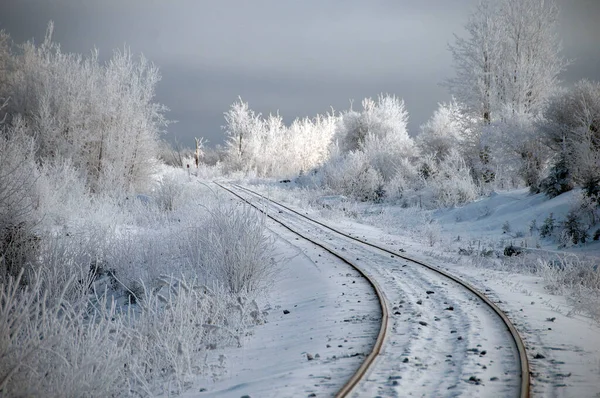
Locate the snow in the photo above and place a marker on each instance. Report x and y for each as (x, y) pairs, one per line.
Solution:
(325, 318)
(483, 220)
(563, 345)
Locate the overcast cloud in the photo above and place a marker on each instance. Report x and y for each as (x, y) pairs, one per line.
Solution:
(298, 57)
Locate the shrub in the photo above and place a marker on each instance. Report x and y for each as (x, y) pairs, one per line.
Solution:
(506, 227)
(559, 179)
(533, 227)
(52, 347)
(18, 199)
(352, 176)
(548, 227)
(573, 229)
(453, 185)
(234, 249)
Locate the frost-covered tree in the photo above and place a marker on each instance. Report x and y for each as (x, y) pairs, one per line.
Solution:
(5, 64)
(447, 129)
(18, 201)
(379, 131)
(242, 127)
(268, 147)
(476, 61)
(353, 176)
(309, 140)
(520, 157)
(510, 57)
(530, 54)
(571, 128)
(103, 118)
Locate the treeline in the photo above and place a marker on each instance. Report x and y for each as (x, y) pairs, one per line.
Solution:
(510, 124)
(100, 117)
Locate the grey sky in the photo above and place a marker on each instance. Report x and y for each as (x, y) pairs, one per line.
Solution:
(298, 57)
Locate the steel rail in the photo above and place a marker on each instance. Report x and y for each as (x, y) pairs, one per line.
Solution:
(523, 360)
(370, 359)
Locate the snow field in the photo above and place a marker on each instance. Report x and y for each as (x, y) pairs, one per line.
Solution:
(536, 294)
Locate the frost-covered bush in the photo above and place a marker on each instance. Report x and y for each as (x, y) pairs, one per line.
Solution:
(379, 131)
(231, 248)
(353, 176)
(444, 131)
(452, 183)
(571, 128)
(18, 202)
(578, 278)
(168, 193)
(176, 328)
(518, 154)
(57, 347)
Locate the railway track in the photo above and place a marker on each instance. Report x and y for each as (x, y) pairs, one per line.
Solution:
(400, 287)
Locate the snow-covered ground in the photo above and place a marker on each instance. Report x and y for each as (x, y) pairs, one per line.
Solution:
(563, 345)
(320, 309)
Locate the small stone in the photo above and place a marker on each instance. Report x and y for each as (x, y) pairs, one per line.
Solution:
(551, 319)
(397, 313)
(451, 308)
(245, 396)
(459, 338)
(328, 346)
(309, 357)
(422, 323)
(317, 356)
(493, 378)
(405, 360)
(285, 312)
(474, 380)
(202, 389)
(420, 302)
(483, 352)
(312, 394)
(430, 292)
(539, 356)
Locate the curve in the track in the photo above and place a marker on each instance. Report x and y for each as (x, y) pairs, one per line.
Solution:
(348, 387)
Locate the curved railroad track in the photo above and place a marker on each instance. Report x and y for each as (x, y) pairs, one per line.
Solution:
(362, 374)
